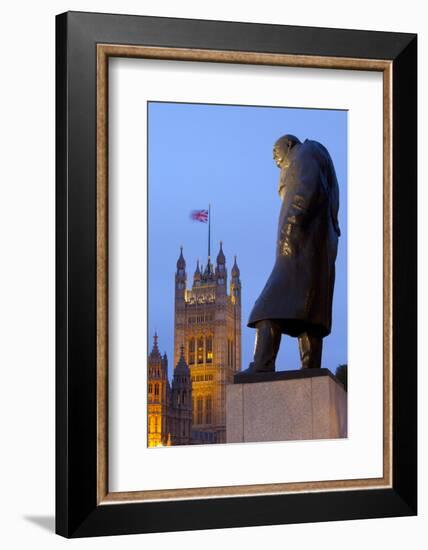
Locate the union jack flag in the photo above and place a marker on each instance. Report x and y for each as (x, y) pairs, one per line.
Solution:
(199, 216)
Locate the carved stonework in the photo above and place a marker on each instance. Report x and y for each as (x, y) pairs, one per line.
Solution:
(208, 325)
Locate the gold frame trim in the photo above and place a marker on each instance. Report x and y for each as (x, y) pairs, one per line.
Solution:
(104, 51)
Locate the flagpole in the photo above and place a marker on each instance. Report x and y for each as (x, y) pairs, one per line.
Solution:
(209, 232)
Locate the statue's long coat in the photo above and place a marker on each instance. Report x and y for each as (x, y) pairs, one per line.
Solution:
(299, 291)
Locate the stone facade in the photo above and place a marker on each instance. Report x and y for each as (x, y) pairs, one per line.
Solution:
(180, 411)
(208, 326)
(169, 406)
(158, 397)
(207, 353)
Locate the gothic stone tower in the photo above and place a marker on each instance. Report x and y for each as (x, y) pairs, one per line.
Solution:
(180, 413)
(158, 397)
(208, 325)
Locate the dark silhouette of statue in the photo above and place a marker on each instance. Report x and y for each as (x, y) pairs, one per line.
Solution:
(297, 298)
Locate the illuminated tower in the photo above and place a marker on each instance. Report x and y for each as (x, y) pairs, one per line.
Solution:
(208, 325)
(180, 415)
(158, 397)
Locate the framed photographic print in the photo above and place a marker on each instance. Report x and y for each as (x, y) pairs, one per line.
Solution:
(236, 274)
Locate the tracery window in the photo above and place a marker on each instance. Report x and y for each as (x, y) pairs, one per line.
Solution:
(209, 349)
(191, 351)
(199, 404)
(208, 410)
(200, 351)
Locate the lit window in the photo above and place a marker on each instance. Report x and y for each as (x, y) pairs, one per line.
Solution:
(209, 349)
(200, 350)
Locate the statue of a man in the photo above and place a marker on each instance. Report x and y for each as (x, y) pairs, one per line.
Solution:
(297, 298)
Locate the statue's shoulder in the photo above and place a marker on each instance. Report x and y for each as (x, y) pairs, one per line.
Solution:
(314, 146)
(308, 150)
(314, 149)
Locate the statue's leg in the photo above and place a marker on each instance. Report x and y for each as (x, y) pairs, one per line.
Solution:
(310, 348)
(266, 347)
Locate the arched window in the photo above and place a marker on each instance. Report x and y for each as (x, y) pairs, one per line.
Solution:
(184, 397)
(199, 405)
(191, 351)
(209, 349)
(208, 410)
(230, 353)
(200, 351)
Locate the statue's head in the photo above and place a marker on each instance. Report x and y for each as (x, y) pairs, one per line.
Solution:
(282, 148)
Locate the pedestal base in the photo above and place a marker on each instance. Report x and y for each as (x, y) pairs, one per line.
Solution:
(283, 406)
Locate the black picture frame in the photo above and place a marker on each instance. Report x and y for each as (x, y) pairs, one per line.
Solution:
(78, 513)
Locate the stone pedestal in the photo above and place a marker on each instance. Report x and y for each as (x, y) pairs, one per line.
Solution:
(283, 406)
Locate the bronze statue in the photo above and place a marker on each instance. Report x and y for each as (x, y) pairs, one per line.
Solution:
(297, 298)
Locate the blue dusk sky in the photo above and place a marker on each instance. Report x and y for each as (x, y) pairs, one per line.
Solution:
(222, 155)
